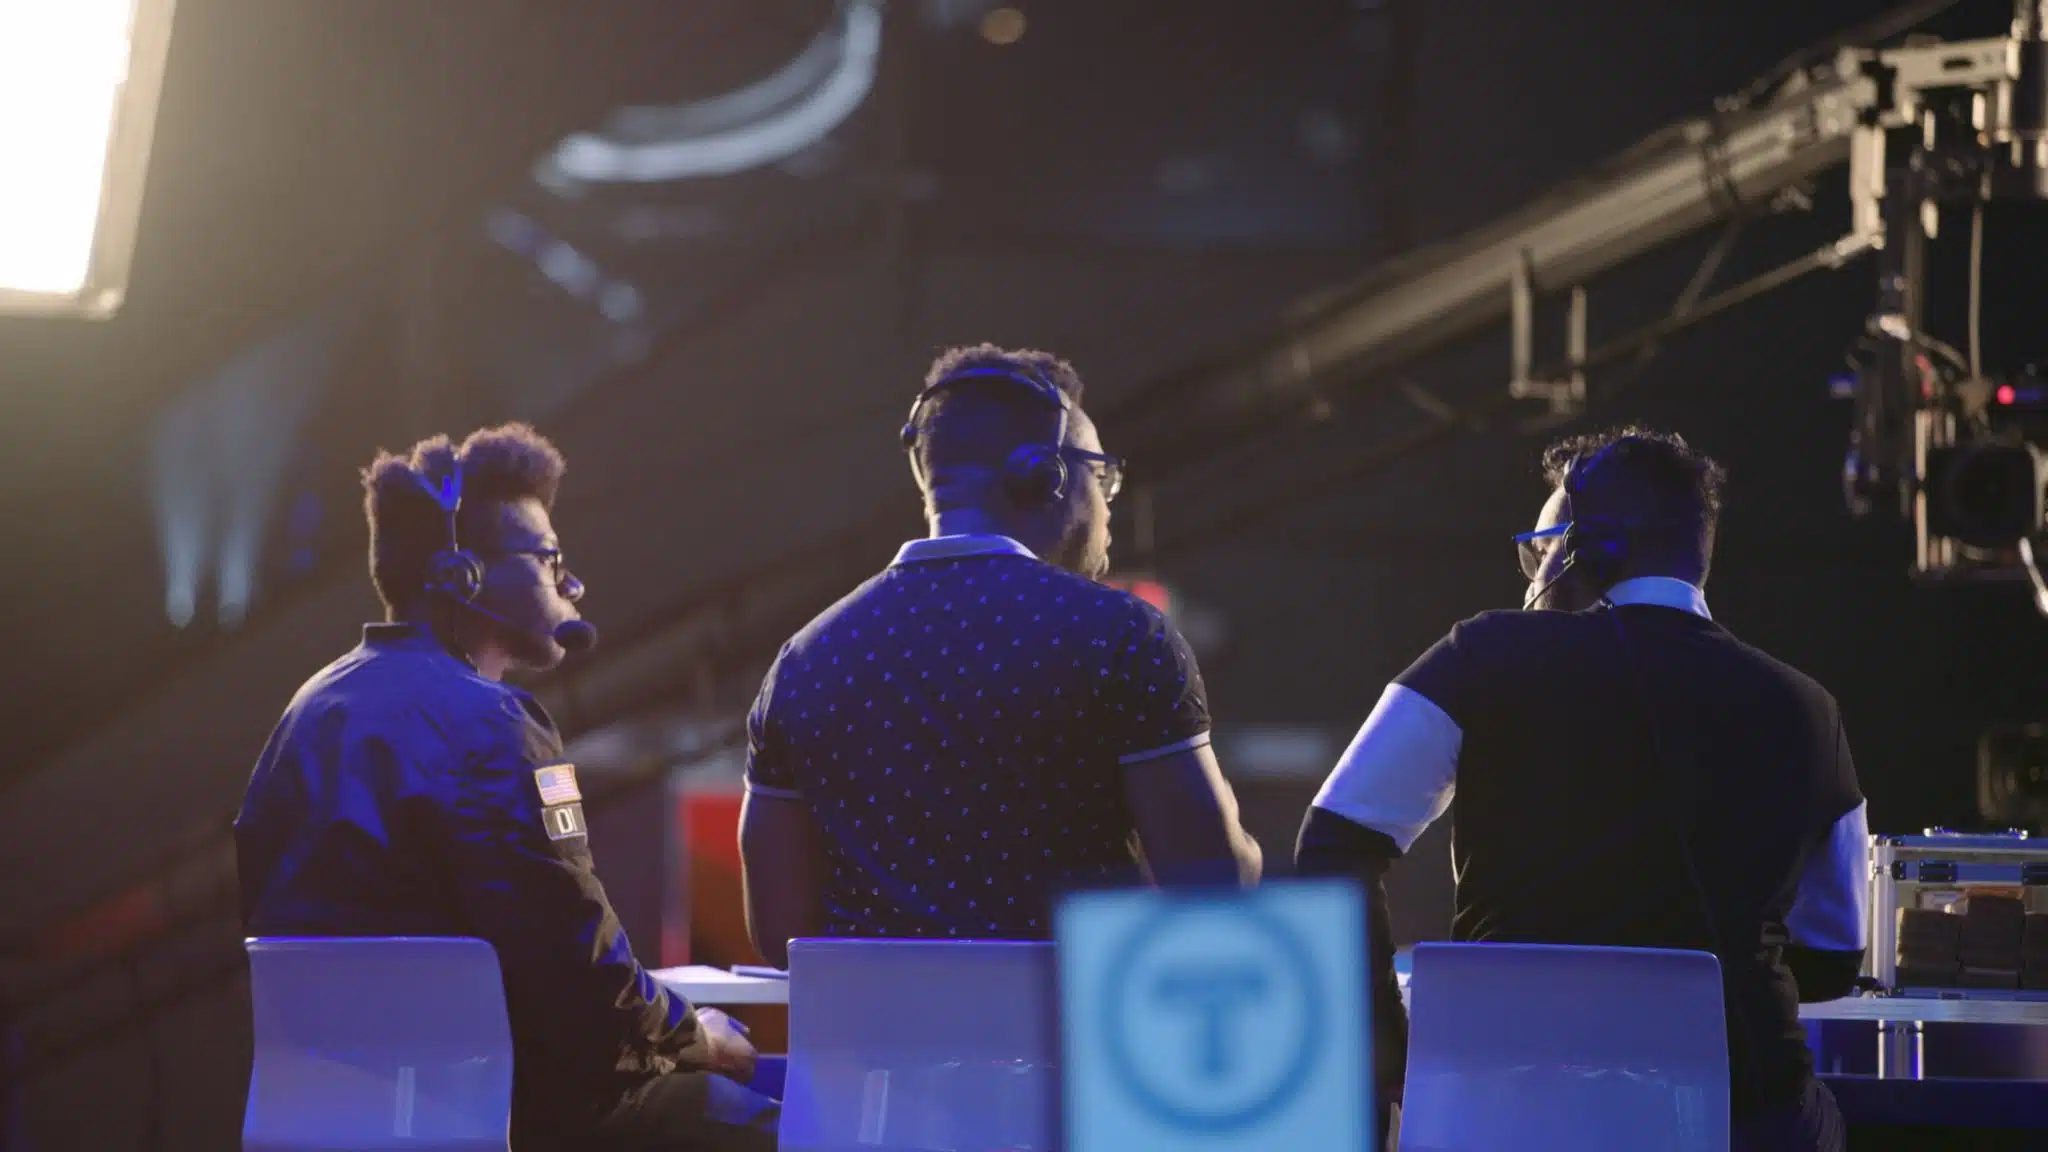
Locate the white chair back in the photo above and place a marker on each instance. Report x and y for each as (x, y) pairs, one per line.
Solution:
(371, 1044)
(921, 1044)
(1534, 1048)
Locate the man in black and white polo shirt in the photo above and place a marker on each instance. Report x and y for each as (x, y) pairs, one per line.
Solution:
(983, 725)
(1626, 773)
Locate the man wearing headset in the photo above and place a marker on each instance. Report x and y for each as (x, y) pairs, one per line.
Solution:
(983, 724)
(409, 792)
(1626, 773)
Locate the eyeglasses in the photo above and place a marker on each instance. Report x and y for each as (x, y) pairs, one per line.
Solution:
(1533, 548)
(550, 560)
(1111, 476)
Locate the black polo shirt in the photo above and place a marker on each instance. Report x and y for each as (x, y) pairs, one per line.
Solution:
(959, 726)
(1570, 764)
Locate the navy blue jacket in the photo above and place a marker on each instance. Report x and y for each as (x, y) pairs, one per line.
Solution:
(404, 794)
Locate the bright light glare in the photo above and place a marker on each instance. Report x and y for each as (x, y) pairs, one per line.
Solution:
(1003, 26)
(62, 65)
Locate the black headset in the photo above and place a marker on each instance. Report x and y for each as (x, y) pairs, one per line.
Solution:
(1034, 474)
(1594, 548)
(1597, 547)
(454, 571)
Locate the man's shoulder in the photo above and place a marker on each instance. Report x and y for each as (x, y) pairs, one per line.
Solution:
(867, 603)
(902, 593)
(1500, 646)
(383, 692)
(1447, 672)
(1515, 627)
(411, 668)
(1110, 601)
(1795, 681)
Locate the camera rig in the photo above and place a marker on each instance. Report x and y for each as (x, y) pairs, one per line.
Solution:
(1919, 126)
(1946, 126)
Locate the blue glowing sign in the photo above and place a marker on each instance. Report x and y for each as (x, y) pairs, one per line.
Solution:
(1237, 1018)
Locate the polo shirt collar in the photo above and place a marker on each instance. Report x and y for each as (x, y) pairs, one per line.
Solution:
(955, 547)
(397, 634)
(1662, 592)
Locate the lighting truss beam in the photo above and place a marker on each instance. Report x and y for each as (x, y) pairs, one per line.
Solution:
(1681, 180)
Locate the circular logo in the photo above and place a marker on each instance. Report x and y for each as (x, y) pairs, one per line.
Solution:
(1212, 1020)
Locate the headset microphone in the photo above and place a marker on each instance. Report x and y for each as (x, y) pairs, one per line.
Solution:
(1534, 596)
(573, 635)
(576, 635)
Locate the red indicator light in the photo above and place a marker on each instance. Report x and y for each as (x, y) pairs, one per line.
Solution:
(1154, 593)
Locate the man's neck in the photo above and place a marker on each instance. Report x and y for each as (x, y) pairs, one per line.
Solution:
(485, 658)
(983, 522)
(969, 522)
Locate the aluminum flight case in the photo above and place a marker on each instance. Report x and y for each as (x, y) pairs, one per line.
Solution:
(1959, 915)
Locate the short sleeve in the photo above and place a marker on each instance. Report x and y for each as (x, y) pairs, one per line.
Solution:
(1161, 706)
(1400, 772)
(1831, 909)
(768, 771)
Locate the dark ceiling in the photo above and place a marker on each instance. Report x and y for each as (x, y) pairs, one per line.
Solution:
(318, 163)
(300, 147)
(349, 183)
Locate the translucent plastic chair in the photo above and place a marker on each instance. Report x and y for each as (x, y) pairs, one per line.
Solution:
(1535, 1048)
(921, 1044)
(371, 1044)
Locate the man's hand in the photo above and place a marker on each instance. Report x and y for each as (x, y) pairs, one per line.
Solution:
(732, 1054)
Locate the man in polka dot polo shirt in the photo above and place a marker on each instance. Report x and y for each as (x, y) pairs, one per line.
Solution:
(984, 725)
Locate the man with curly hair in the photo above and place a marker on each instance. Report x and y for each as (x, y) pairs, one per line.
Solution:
(409, 791)
(1626, 773)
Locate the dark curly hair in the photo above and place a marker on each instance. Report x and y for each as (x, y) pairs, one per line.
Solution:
(407, 526)
(978, 425)
(1666, 490)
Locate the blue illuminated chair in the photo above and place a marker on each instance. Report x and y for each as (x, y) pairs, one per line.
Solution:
(900, 1044)
(1542, 1047)
(374, 1044)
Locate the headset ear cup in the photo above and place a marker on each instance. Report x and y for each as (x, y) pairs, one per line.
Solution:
(456, 575)
(1035, 475)
(1584, 556)
(1597, 550)
(1055, 468)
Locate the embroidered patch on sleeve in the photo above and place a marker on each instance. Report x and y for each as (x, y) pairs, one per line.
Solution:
(563, 821)
(557, 783)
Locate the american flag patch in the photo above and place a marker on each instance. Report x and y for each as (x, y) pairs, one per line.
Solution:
(557, 785)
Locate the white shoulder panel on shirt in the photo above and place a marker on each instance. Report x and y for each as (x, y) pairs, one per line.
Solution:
(1832, 908)
(1400, 772)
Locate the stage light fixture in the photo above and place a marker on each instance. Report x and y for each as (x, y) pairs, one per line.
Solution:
(79, 81)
